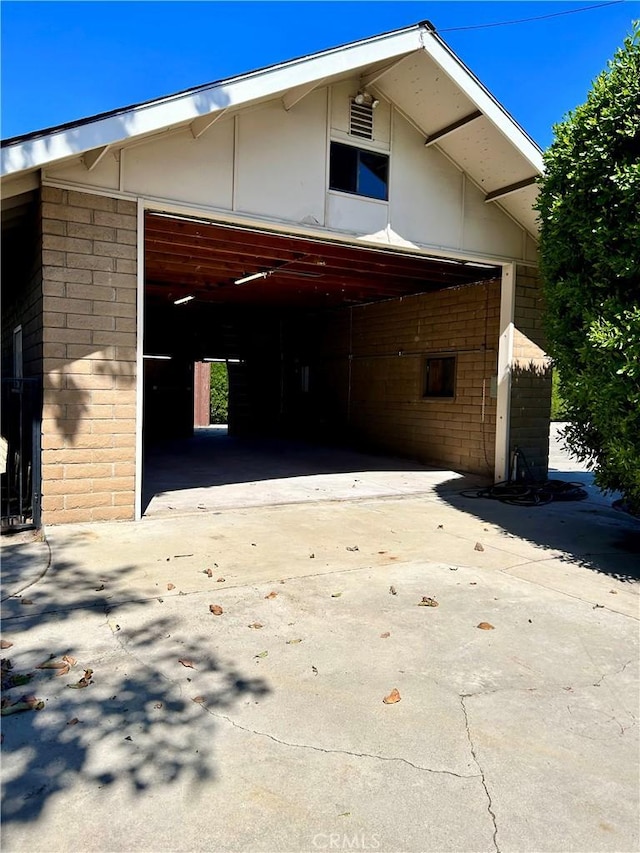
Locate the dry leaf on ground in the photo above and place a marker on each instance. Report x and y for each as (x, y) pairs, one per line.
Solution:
(220, 580)
(261, 655)
(485, 626)
(393, 697)
(352, 548)
(26, 601)
(385, 635)
(24, 703)
(428, 602)
(199, 700)
(85, 681)
(207, 572)
(52, 664)
(158, 705)
(293, 642)
(255, 625)
(478, 547)
(393, 590)
(171, 586)
(186, 662)
(216, 609)
(336, 594)
(5, 644)
(73, 721)
(271, 595)
(70, 660)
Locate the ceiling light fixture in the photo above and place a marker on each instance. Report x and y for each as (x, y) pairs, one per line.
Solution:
(183, 300)
(252, 277)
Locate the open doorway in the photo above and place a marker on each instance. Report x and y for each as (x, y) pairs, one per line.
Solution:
(323, 347)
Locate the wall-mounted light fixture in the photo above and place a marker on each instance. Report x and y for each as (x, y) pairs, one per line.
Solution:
(183, 300)
(366, 99)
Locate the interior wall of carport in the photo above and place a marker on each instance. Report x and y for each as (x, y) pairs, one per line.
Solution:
(371, 366)
(22, 293)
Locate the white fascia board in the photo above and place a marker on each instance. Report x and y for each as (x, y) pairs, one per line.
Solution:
(179, 109)
(467, 83)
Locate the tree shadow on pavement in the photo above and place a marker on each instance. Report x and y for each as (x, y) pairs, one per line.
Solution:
(587, 533)
(147, 717)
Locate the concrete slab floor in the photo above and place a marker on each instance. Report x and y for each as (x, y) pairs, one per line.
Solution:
(213, 471)
(205, 732)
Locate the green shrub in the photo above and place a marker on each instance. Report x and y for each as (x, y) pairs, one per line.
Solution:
(219, 393)
(557, 403)
(589, 209)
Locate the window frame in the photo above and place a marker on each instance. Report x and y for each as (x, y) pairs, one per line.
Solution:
(426, 372)
(359, 150)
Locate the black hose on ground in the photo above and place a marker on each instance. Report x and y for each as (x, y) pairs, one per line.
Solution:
(527, 491)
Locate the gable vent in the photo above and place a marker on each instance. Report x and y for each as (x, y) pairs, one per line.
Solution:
(361, 120)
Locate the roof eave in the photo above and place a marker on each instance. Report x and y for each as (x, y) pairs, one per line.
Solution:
(156, 116)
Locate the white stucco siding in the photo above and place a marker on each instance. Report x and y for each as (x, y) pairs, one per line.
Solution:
(487, 228)
(272, 163)
(356, 215)
(181, 168)
(425, 191)
(105, 175)
(281, 160)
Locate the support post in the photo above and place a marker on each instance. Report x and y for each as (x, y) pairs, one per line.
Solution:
(505, 357)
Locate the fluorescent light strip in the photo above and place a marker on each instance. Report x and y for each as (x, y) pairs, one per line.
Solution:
(183, 300)
(162, 357)
(252, 277)
(225, 360)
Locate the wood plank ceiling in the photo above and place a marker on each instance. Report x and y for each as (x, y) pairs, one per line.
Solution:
(185, 257)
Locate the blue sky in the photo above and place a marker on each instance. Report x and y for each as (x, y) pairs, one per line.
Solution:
(63, 61)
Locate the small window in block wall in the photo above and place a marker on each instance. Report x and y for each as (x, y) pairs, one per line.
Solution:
(440, 377)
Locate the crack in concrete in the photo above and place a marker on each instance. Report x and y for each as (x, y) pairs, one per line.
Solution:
(338, 751)
(615, 672)
(484, 781)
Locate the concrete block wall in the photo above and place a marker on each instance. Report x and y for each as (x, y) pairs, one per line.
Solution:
(390, 342)
(530, 375)
(89, 264)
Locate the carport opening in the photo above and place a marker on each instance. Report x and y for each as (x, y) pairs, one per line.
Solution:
(322, 346)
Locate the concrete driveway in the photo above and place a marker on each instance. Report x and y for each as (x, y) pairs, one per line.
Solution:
(207, 732)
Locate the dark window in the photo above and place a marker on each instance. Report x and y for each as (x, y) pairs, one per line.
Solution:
(353, 170)
(440, 376)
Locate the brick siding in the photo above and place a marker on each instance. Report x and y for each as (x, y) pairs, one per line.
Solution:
(89, 356)
(530, 375)
(390, 342)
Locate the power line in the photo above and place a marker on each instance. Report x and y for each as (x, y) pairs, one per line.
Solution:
(528, 20)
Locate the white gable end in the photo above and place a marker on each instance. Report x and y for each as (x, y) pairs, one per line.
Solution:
(272, 164)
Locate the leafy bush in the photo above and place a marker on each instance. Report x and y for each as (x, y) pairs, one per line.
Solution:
(219, 393)
(589, 209)
(557, 403)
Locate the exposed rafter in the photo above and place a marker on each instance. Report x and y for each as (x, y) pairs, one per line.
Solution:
(293, 96)
(451, 128)
(93, 157)
(511, 188)
(202, 124)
